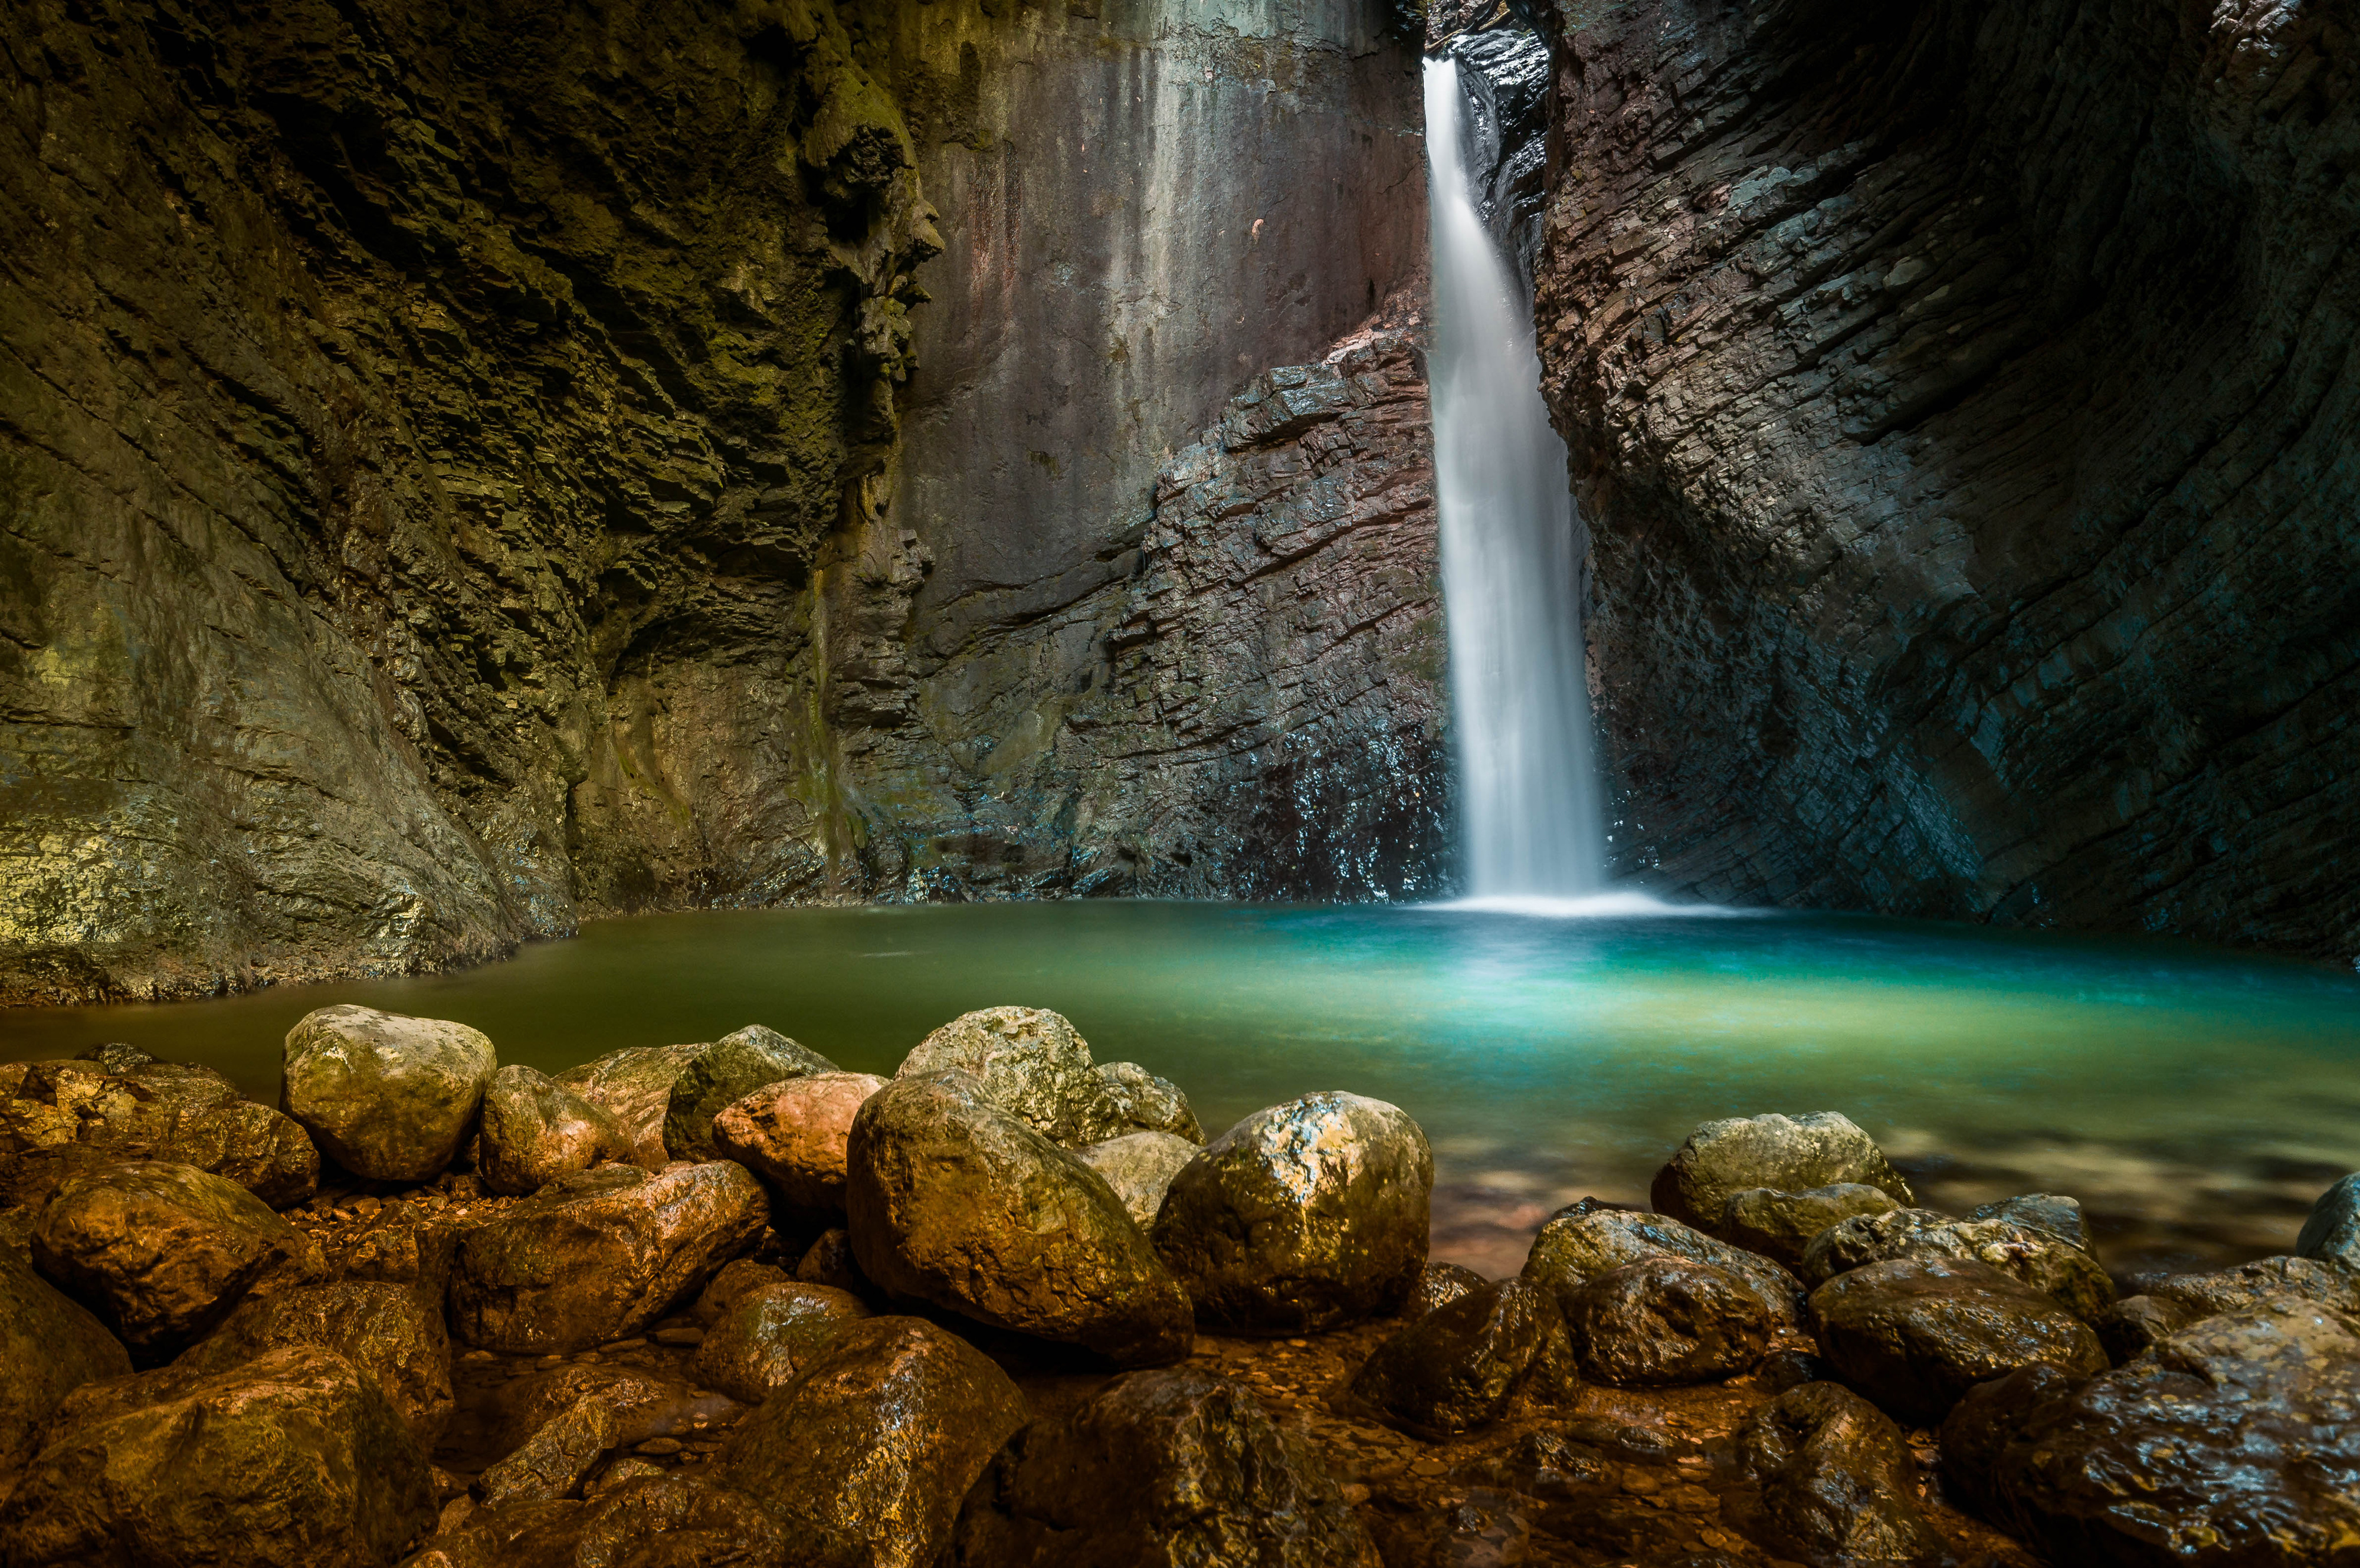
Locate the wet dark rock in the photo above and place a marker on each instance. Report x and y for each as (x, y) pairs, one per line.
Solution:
(49, 1346)
(536, 1131)
(734, 1281)
(1303, 1216)
(1793, 1154)
(792, 1134)
(646, 1405)
(1837, 1482)
(1438, 1284)
(2057, 1214)
(1038, 1069)
(399, 1248)
(956, 1201)
(632, 1519)
(1780, 1224)
(2234, 1441)
(1589, 1238)
(161, 1253)
(1140, 1167)
(732, 1068)
(2042, 1259)
(1460, 1366)
(388, 1333)
(867, 1455)
(2331, 1234)
(62, 1117)
(292, 1461)
(829, 1261)
(556, 1459)
(2180, 1300)
(634, 1084)
(387, 1097)
(1666, 1321)
(764, 1338)
(1177, 1467)
(601, 1255)
(1130, 1099)
(1914, 1334)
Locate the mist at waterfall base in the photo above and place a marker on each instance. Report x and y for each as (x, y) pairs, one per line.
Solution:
(1530, 825)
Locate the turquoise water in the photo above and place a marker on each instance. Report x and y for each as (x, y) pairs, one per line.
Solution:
(2195, 1100)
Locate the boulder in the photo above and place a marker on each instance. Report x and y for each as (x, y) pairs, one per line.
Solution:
(1666, 1321)
(2041, 1260)
(600, 1256)
(2331, 1234)
(1302, 1217)
(1131, 1099)
(387, 1097)
(829, 1261)
(1139, 1165)
(633, 1520)
(294, 1459)
(1836, 1481)
(2234, 1441)
(734, 1281)
(1589, 1238)
(1165, 1469)
(536, 1131)
(1915, 1333)
(1793, 1154)
(644, 1403)
(62, 1117)
(161, 1252)
(1780, 1224)
(49, 1346)
(762, 1340)
(2181, 1301)
(556, 1459)
(792, 1134)
(953, 1200)
(1438, 1285)
(867, 1454)
(1038, 1070)
(2060, 1216)
(1460, 1367)
(635, 1085)
(400, 1247)
(732, 1068)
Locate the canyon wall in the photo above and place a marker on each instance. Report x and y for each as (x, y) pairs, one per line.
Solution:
(1963, 403)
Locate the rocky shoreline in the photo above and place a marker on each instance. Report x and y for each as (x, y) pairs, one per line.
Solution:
(724, 1303)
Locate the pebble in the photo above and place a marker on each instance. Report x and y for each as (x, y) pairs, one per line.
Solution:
(659, 1445)
(1354, 1493)
(683, 1336)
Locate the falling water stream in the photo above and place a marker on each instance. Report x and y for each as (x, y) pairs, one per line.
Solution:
(1528, 791)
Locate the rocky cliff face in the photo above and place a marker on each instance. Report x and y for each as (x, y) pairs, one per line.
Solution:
(1963, 401)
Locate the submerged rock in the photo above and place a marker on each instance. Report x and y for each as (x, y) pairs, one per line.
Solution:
(956, 1201)
(2233, 1442)
(2041, 1260)
(793, 1134)
(1588, 1240)
(1780, 1224)
(1460, 1365)
(2331, 1234)
(600, 1256)
(1140, 1167)
(161, 1252)
(635, 1085)
(387, 1097)
(1836, 1481)
(869, 1453)
(2177, 1302)
(765, 1337)
(1914, 1334)
(2060, 1216)
(1167, 1469)
(732, 1068)
(49, 1346)
(62, 1117)
(1668, 1320)
(292, 1461)
(1303, 1216)
(536, 1131)
(1793, 1154)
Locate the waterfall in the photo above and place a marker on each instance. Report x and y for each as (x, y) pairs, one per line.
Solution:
(1520, 705)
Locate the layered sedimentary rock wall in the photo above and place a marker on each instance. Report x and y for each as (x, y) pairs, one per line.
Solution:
(1963, 402)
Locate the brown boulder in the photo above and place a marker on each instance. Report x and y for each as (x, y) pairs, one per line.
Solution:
(2177, 1301)
(1780, 1224)
(793, 1133)
(49, 1346)
(732, 1068)
(765, 1337)
(1140, 1167)
(1438, 1285)
(387, 1097)
(1460, 1366)
(1038, 1069)
(1666, 1321)
(635, 1085)
(634, 1520)
(1793, 1154)
(2039, 1259)
(1587, 1240)
(1915, 1333)
(555, 1460)
(867, 1455)
(62, 1117)
(1836, 1482)
(536, 1131)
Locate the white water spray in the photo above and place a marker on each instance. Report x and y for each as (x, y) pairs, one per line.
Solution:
(1520, 705)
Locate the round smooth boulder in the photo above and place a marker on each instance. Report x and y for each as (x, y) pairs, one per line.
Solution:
(1584, 1240)
(1167, 1469)
(1835, 1480)
(49, 1346)
(762, 1340)
(953, 1200)
(1029, 1060)
(2037, 1259)
(1140, 1167)
(732, 1068)
(1793, 1154)
(387, 1097)
(635, 1085)
(161, 1252)
(792, 1134)
(1780, 1224)
(867, 1455)
(600, 1256)
(1302, 1217)
(2331, 1234)
(1916, 1333)
(536, 1131)
(1460, 1367)
(2059, 1216)
(290, 1461)
(1667, 1321)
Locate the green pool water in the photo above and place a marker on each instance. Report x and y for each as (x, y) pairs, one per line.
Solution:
(2195, 1100)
